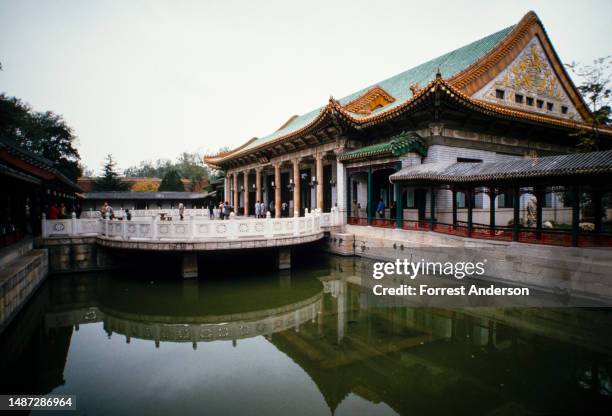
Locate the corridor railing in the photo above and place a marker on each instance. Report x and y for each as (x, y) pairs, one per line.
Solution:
(533, 235)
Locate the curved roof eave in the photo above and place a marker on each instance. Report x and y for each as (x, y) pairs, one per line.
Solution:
(453, 86)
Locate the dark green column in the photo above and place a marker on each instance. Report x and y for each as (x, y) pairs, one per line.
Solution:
(492, 194)
(516, 194)
(399, 208)
(454, 207)
(370, 207)
(575, 214)
(539, 194)
(597, 209)
(432, 207)
(469, 193)
(399, 203)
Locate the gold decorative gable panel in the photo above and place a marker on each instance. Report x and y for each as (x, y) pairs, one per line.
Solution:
(373, 99)
(529, 83)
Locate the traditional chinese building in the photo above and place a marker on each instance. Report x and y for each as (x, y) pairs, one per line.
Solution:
(30, 183)
(504, 97)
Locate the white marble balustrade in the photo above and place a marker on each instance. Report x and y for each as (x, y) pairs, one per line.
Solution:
(191, 228)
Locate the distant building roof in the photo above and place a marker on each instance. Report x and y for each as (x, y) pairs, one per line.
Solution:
(145, 195)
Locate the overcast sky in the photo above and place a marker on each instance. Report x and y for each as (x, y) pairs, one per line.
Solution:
(150, 79)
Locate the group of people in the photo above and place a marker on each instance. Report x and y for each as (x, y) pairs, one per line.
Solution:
(56, 212)
(225, 209)
(260, 209)
(380, 208)
(60, 212)
(108, 212)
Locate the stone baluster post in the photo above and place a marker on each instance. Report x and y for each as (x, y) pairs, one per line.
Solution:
(106, 223)
(45, 232)
(191, 226)
(154, 227)
(73, 225)
(124, 224)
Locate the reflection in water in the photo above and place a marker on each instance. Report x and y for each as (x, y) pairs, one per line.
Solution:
(309, 342)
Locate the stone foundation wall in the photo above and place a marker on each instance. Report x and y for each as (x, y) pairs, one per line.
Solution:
(77, 255)
(583, 272)
(340, 243)
(19, 279)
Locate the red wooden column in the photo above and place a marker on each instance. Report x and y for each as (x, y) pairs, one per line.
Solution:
(246, 193)
(277, 190)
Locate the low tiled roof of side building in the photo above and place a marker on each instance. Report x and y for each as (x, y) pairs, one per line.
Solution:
(576, 164)
(398, 145)
(144, 195)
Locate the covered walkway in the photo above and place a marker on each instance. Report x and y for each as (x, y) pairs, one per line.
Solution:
(579, 182)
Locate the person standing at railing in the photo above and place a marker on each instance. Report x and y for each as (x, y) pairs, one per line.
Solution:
(257, 209)
(221, 209)
(211, 210)
(227, 209)
(271, 208)
(380, 209)
(181, 210)
(78, 210)
(284, 210)
(107, 211)
(62, 211)
(53, 212)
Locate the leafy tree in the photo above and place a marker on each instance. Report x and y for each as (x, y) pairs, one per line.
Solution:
(149, 169)
(596, 89)
(191, 166)
(43, 133)
(171, 182)
(188, 165)
(145, 186)
(110, 180)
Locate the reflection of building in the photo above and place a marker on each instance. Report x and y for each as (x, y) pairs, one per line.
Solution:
(202, 315)
(501, 98)
(31, 358)
(435, 361)
(230, 327)
(414, 360)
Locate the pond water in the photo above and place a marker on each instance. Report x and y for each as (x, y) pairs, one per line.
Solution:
(307, 342)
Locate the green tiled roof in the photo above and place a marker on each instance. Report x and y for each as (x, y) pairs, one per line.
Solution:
(398, 86)
(396, 146)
